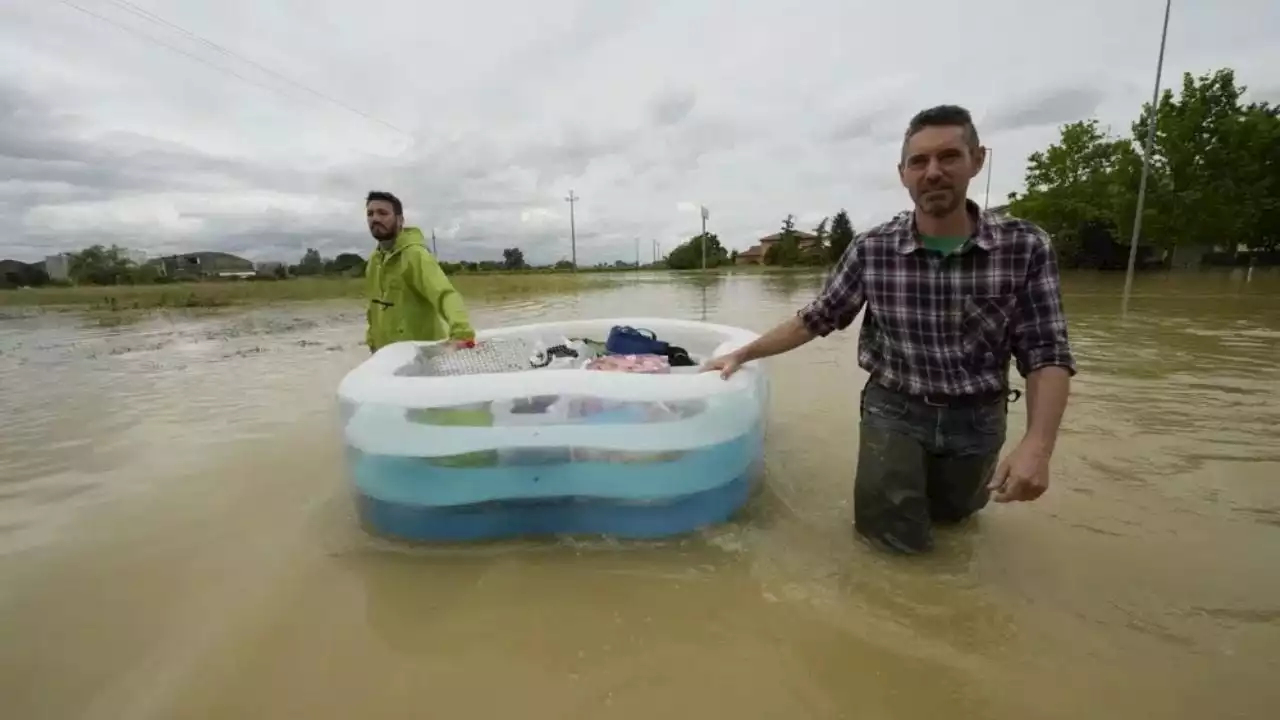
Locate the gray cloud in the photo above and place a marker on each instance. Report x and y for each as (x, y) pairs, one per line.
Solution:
(1052, 107)
(646, 110)
(672, 106)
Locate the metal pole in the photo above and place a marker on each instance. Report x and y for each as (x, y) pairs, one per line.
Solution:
(433, 244)
(702, 210)
(573, 231)
(637, 254)
(986, 199)
(1146, 166)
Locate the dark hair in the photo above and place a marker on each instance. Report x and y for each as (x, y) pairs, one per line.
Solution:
(943, 116)
(386, 197)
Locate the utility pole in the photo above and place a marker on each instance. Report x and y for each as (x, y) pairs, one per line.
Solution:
(703, 239)
(637, 254)
(433, 244)
(1146, 166)
(573, 231)
(986, 199)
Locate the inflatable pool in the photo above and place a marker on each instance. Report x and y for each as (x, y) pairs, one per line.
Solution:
(554, 429)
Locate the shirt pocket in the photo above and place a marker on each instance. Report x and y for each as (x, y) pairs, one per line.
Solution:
(985, 322)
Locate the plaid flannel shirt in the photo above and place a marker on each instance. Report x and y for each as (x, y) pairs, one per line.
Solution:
(948, 325)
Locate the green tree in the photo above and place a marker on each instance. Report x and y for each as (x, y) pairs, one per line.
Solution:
(786, 251)
(346, 264)
(311, 263)
(1204, 157)
(513, 259)
(1214, 173)
(688, 255)
(841, 236)
(818, 251)
(1262, 129)
(1083, 178)
(99, 265)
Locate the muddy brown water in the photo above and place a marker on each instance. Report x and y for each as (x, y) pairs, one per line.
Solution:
(176, 539)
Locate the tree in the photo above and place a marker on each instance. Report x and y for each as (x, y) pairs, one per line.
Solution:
(1081, 179)
(346, 264)
(1214, 174)
(688, 255)
(99, 265)
(786, 251)
(817, 253)
(311, 263)
(1262, 128)
(1206, 161)
(841, 236)
(513, 259)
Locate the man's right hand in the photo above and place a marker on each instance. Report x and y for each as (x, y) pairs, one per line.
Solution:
(727, 365)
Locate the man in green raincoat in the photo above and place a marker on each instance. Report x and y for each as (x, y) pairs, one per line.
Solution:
(410, 298)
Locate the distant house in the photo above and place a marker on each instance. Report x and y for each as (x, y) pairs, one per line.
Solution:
(269, 267)
(754, 255)
(204, 265)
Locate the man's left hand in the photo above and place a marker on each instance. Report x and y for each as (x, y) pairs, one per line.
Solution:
(1023, 475)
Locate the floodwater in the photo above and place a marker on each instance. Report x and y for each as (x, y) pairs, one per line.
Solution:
(176, 539)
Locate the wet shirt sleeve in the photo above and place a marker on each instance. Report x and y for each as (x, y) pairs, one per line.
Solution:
(429, 280)
(1040, 329)
(842, 296)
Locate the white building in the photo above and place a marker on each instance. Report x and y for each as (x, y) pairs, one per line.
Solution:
(58, 266)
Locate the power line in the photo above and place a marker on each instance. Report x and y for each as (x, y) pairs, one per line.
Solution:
(156, 19)
(148, 15)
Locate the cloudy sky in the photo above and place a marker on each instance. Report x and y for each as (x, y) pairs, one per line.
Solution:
(256, 126)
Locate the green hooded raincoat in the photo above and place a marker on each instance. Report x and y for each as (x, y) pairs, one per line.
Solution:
(410, 297)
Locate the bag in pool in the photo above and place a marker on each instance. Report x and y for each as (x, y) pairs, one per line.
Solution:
(626, 340)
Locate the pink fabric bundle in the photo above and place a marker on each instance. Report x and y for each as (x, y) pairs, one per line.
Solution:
(631, 363)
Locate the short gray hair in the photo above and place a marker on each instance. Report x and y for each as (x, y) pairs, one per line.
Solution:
(943, 116)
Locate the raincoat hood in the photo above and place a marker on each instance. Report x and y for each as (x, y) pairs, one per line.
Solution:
(408, 236)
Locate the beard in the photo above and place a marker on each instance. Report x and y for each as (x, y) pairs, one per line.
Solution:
(938, 200)
(382, 233)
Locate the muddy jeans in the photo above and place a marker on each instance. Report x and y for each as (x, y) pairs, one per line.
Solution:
(921, 464)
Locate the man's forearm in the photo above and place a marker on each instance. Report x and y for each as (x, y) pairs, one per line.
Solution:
(1047, 390)
(782, 338)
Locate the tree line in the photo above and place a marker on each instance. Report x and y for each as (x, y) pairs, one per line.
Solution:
(1214, 180)
(789, 247)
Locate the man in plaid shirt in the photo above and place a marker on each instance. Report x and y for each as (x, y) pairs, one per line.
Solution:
(952, 294)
